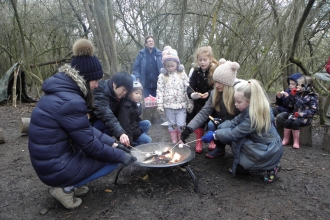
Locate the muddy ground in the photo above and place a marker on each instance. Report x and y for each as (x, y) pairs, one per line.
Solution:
(301, 191)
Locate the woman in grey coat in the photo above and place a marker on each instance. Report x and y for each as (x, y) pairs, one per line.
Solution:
(256, 145)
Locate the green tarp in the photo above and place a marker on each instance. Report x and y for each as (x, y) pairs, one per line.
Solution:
(6, 86)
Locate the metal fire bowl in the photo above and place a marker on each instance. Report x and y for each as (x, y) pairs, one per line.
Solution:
(187, 153)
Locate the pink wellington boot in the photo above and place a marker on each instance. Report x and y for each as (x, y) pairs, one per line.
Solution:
(286, 136)
(212, 146)
(199, 144)
(174, 136)
(179, 135)
(295, 134)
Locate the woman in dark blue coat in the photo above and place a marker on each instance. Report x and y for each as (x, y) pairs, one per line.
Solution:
(65, 151)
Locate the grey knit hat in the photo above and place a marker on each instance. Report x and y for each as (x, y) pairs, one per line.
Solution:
(136, 85)
(226, 73)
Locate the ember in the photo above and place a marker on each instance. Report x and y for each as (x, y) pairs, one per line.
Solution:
(158, 157)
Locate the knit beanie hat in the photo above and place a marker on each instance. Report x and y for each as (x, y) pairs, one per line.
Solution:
(169, 54)
(85, 62)
(136, 85)
(226, 72)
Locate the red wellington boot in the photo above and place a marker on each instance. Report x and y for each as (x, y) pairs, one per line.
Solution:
(199, 144)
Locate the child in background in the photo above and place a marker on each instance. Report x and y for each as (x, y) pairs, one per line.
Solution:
(200, 86)
(129, 117)
(305, 103)
(284, 108)
(256, 145)
(171, 93)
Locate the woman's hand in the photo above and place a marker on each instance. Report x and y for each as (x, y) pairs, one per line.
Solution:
(124, 140)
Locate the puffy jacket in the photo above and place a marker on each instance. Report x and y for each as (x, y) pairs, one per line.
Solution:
(283, 104)
(64, 148)
(129, 118)
(107, 107)
(172, 91)
(139, 67)
(252, 151)
(306, 104)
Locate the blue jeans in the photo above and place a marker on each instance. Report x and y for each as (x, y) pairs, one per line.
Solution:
(144, 138)
(108, 168)
(99, 125)
(149, 91)
(211, 126)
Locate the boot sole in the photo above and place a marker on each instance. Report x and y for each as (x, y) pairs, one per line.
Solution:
(211, 157)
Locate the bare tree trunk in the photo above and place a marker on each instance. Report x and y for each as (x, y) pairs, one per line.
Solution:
(14, 4)
(181, 28)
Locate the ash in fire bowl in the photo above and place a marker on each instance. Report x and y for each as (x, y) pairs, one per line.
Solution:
(162, 154)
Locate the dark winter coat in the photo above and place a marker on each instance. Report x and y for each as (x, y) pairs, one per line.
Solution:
(282, 103)
(306, 104)
(107, 107)
(140, 67)
(129, 118)
(203, 115)
(198, 82)
(64, 148)
(252, 151)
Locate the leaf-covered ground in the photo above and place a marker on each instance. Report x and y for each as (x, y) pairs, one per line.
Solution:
(301, 192)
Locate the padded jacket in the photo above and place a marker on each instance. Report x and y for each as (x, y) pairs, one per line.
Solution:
(129, 118)
(140, 66)
(252, 151)
(64, 148)
(107, 107)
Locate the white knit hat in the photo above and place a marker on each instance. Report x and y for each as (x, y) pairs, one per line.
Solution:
(226, 73)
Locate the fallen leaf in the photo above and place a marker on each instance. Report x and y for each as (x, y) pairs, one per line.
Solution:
(145, 177)
(108, 190)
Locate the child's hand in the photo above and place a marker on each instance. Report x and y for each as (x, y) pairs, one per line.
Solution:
(279, 94)
(296, 114)
(205, 95)
(196, 95)
(208, 137)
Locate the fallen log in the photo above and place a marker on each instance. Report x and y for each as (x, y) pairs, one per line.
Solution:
(24, 125)
(2, 137)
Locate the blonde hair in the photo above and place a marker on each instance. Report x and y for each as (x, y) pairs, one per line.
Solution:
(259, 108)
(207, 51)
(227, 97)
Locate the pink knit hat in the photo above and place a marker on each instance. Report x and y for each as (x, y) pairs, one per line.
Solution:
(170, 54)
(226, 72)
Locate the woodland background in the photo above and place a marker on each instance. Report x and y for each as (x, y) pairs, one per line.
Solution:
(270, 39)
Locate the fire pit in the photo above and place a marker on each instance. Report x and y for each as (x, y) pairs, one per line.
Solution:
(163, 155)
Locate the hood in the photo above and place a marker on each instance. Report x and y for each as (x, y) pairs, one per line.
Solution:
(294, 77)
(67, 80)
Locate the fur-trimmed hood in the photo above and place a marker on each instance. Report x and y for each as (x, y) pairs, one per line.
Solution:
(60, 82)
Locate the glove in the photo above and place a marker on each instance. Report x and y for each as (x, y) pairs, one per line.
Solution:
(124, 148)
(160, 109)
(296, 114)
(195, 95)
(185, 134)
(129, 159)
(208, 137)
